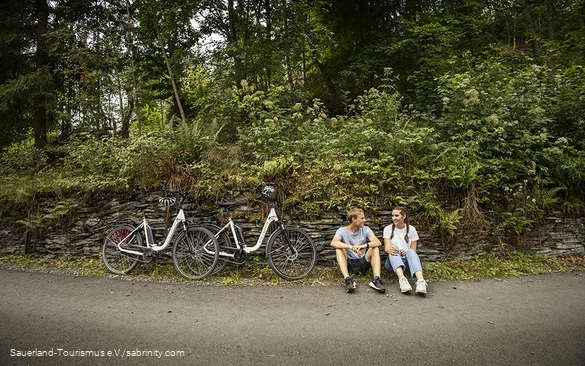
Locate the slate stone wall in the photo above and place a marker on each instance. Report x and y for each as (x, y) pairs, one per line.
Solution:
(81, 234)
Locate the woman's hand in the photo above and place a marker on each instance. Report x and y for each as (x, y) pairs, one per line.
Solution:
(393, 251)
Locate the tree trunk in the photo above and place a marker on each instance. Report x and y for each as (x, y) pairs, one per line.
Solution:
(125, 132)
(233, 46)
(531, 28)
(126, 117)
(268, 64)
(173, 83)
(40, 109)
(551, 19)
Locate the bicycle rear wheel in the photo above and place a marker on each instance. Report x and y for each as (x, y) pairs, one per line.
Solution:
(195, 253)
(115, 261)
(294, 261)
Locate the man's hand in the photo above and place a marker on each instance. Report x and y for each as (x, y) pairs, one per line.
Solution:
(358, 249)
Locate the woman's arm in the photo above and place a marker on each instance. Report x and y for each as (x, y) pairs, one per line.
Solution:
(413, 245)
(388, 248)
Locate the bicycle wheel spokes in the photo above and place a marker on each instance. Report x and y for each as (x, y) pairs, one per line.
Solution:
(195, 253)
(294, 261)
(114, 260)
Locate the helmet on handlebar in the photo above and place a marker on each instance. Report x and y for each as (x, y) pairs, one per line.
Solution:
(269, 192)
(166, 201)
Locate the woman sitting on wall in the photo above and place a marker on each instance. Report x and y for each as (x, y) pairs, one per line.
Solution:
(400, 243)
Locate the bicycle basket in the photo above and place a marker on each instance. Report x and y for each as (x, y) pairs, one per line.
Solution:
(269, 192)
(166, 201)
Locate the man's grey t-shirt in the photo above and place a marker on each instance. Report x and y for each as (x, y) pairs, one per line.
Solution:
(358, 238)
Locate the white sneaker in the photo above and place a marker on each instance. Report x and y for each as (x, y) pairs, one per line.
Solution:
(404, 285)
(421, 287)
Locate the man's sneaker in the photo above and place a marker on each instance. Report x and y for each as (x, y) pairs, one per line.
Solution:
(349, 285)
(376, 285)
(404, 285)
(421, 287)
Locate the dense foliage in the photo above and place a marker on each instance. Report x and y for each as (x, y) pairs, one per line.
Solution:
(458, 109)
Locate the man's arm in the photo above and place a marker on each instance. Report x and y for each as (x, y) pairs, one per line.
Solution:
(374, 242)
(338, 244)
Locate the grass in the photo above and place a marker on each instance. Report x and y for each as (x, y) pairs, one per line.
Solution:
(512, 264)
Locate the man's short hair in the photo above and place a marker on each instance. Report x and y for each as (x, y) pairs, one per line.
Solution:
(354, 213)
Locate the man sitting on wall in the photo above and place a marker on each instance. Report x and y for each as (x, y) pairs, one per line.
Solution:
(357, 249)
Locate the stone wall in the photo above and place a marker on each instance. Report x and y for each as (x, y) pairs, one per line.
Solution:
(81, 234)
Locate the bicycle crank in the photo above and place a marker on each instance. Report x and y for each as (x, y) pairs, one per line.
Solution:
(241, 256)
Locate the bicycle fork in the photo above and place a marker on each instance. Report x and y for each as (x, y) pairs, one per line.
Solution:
(292, 249)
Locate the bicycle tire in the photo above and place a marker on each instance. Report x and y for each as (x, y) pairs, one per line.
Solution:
(224, 243)
(195, 253)
(115, 261)
(286, 263)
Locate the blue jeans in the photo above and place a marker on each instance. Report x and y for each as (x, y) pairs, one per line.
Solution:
(410, 262)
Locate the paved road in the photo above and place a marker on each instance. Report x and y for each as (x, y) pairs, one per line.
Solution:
(65, 320)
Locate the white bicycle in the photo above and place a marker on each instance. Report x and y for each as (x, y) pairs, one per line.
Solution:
(290, 251)
(194, 249)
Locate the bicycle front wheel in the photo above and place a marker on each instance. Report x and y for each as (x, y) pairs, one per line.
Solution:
(116, 261)
(195, 253)
(291, 253)
(225, 245)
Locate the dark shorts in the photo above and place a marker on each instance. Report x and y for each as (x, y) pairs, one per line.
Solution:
(358, 265)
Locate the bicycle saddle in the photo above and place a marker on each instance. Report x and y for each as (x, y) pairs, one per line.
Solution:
(225, 204)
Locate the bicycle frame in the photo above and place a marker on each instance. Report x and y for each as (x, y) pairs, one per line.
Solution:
(144, 225)
(272, 217)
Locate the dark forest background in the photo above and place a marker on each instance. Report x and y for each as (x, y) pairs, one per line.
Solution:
(460, 110)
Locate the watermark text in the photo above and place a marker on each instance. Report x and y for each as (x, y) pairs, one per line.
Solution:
(116, 352)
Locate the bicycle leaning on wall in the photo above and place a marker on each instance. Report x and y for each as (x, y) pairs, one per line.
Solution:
(290, 251)
(194, 248)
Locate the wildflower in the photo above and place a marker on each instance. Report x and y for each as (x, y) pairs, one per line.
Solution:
(493, 119)
(472, 93)
(472, 97)
(562, 141)
(537, 111)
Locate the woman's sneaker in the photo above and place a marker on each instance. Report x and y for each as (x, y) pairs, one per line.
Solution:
(421, 287)
(349, 285)
(404, 285)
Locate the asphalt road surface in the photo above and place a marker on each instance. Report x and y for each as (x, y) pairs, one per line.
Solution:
(48, 319)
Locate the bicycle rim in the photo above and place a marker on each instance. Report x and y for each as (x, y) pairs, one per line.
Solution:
(115, 261)
(291, 263)
(195, 253)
